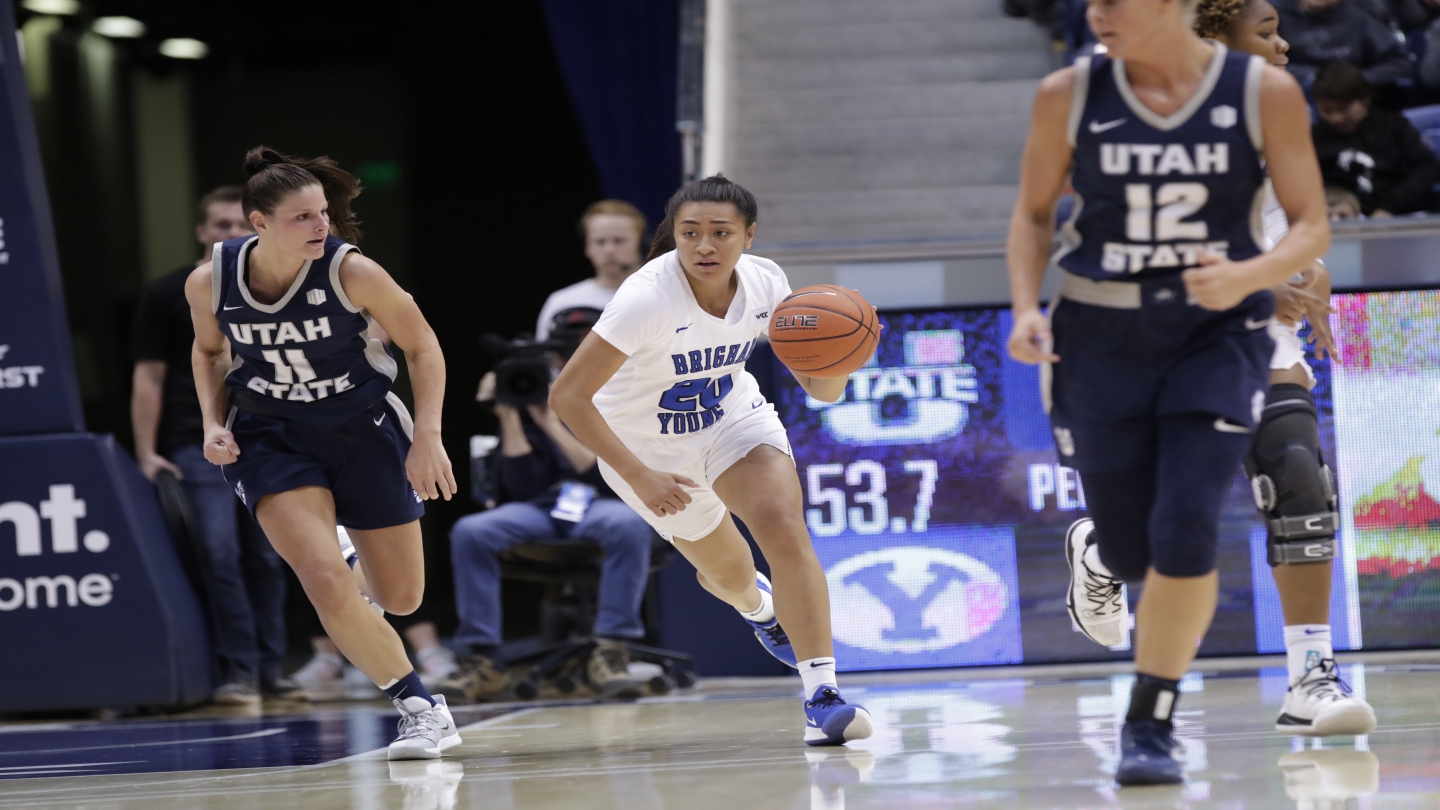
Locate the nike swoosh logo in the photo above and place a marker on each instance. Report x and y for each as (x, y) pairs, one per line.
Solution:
(381, 419)
(681, 329)
(1229, 427)
(1097, 127)
(811, 723)
(1313, 632)
(1251, 323)
(227, 309)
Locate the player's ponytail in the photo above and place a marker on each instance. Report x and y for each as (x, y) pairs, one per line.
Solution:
(274, 176)
(715, 189)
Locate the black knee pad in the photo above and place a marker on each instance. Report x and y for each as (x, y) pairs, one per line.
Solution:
(1292, 485)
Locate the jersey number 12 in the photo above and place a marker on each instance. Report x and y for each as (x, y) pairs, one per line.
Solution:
(1176, 200)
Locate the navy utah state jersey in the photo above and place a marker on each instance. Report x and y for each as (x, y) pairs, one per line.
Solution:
(307, 357)
(1152, 191)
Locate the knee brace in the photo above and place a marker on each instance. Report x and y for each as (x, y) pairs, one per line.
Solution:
(1292, 485)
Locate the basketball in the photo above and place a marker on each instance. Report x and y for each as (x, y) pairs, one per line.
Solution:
(824, 331)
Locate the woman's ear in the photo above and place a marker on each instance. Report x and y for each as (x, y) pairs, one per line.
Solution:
(750, 235)
(257, 221)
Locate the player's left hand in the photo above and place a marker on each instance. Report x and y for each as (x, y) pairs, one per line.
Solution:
(1321, 335)
(428, 469)
(1218, 283)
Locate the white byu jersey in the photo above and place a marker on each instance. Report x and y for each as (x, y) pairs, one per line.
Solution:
(685, 368)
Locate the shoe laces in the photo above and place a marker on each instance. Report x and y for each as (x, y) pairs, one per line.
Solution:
(829, 698)
(1152, 735)
(421, 724)
(1327, 684)
(775, 633)
(1101, 591)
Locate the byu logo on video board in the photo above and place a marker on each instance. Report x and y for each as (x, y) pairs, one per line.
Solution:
(62, 510)
(925, 400)
(914, 599)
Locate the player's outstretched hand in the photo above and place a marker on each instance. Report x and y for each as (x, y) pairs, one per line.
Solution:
(428, 469)
(220, 446)
(1030, 338)
(662, 493)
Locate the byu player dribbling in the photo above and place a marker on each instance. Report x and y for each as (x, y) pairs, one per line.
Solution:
(659, 392)
(1159, 358)
(1293, 486)
(311, 435)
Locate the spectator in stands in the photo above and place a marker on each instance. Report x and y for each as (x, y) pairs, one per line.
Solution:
(549, 489)
(614, 231)
(1430, 62)
(1375, 154)
(243, 577)
(1324, 31)
(1341, 204)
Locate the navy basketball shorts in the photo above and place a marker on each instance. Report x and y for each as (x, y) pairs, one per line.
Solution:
(1155, 406)
(362, 463)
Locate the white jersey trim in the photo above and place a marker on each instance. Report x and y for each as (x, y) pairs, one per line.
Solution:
(402, 415)
(1165, 123)
(1254, 74)
(217, 282)
(269, 309)
(1079, 94)
(335, 284)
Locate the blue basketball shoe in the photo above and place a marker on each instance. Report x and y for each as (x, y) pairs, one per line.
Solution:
(1147, 755)
(829, 720)
(771, 634)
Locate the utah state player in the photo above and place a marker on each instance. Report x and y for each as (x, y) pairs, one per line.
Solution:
(1160, 355)
(313, 437)
(660, 393)
(1293, 487)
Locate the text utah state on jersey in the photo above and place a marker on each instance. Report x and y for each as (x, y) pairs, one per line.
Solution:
(694, 405)
(1180, 242)
(295, 379)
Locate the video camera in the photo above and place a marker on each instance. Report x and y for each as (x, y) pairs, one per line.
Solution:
(522, 375)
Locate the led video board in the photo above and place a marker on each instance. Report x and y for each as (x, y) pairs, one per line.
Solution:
(938, 505)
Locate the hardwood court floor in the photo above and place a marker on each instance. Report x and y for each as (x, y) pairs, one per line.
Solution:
(1015, 738)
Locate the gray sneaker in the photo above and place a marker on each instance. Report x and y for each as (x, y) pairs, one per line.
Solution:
(236, 693)
(425, 730)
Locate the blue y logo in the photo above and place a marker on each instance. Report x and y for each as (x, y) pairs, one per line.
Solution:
(909, 611)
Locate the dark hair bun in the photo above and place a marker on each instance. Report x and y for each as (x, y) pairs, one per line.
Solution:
(261, 158)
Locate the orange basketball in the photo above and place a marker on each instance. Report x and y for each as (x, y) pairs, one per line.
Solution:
(824, 331)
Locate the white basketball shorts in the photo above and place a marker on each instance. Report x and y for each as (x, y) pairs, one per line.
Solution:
(702, 459)
(1289, 349)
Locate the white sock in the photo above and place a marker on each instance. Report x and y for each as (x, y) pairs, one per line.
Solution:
(763, 614)
(1091, 558)
(1305, 646)
(817, 672)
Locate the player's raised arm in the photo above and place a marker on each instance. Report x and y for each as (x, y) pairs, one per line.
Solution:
(1044, 167)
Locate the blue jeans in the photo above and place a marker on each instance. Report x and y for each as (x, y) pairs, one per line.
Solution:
(477, 540)
(244, 580)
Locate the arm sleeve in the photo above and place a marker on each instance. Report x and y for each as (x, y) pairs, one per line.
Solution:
(639, 314)
(1388, 59)
(148, 333)
(1412, 192)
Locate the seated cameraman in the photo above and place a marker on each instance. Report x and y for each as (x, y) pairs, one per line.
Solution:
(549, 489)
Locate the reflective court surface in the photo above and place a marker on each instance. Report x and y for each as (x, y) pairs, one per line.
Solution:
(1034, 737)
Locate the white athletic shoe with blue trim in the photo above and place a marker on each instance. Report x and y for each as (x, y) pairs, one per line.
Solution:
(771, 635)
(829, 720)
(425, 730)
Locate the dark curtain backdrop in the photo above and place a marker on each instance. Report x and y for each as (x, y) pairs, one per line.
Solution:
(619, 60)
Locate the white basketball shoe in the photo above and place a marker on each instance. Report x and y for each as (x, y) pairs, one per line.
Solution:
(425, 730)
(1096, 599)
(1320, 704)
